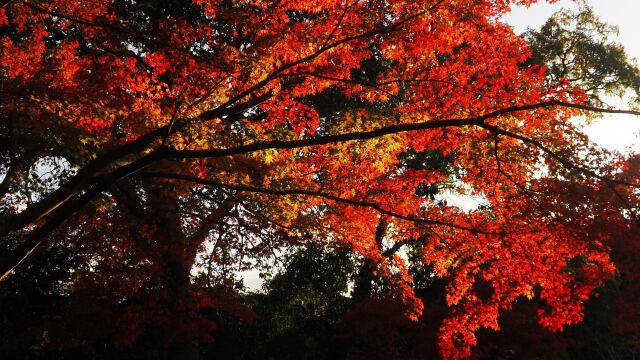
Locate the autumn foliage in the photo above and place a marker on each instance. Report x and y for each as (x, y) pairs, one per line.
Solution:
(182, 135)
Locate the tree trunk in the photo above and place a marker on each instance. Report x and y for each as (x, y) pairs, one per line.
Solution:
(176, 261)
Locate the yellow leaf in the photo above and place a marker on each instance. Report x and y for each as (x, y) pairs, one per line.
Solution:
(270, 155)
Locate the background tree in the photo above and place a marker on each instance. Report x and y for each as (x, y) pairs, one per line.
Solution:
(575, 47)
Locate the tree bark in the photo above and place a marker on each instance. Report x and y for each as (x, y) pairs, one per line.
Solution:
(176, 261)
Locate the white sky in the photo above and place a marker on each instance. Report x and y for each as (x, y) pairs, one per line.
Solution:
(613, 132)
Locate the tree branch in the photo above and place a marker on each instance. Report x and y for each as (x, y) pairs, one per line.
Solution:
(311, 193)
(568, 164)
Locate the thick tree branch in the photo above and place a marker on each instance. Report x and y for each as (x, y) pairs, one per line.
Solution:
(61, 213)
(77, 184)
(361, 135)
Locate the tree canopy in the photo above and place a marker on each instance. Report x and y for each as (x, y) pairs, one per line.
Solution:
(141, 141)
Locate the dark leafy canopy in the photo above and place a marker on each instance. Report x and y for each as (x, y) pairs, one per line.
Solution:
(141, 141)
(305, 317)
